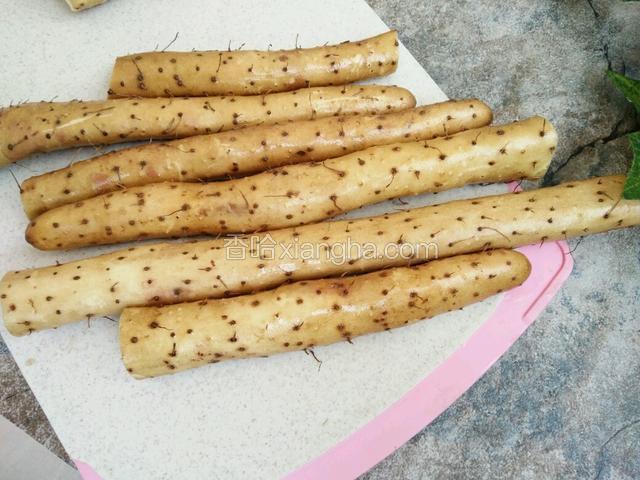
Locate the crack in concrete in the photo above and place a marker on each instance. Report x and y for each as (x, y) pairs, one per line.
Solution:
(15, 393)
(610, 439)
(614, 132)
(603, 43)
(614, 135)
(605, 53)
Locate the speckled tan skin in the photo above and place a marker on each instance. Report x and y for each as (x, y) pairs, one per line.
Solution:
(252, 150)
(252, 72)
(159, 340)
(169, 273)
(303, 193)
(47, 126)
(77, 5)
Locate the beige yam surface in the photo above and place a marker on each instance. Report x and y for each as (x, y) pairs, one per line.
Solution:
(160, 340)
(303, 193)
(251, 150)
(47, 126)
(252, 72)
(168, 273)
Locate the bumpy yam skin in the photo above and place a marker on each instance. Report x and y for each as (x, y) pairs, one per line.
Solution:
(47, 126)
(168, 273)
(252, 72)
(254, 149)
(303, 193)
(160, 340)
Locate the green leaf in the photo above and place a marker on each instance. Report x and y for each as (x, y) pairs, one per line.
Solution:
(628, 86)
(632, 185)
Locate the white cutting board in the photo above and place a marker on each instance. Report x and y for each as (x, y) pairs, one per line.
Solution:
(258, 418)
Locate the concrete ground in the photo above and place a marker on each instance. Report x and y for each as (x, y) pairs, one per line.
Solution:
(564, 402)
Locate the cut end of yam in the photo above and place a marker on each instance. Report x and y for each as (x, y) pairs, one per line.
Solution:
(79, 5)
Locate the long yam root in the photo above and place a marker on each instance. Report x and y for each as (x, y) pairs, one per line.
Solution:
(303, 193)
(251, 72)
(159, 340)
(48, 126)
(169, 273)
(254, 149)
